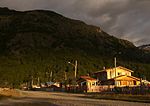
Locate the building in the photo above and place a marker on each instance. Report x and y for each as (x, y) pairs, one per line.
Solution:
(87, 84)
(119, 77)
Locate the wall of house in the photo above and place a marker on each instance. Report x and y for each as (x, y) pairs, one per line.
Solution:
(111, 73)
(91, 83)
(123, 72)
(127, 83)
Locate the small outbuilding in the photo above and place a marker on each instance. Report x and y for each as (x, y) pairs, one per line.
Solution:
(86, 83)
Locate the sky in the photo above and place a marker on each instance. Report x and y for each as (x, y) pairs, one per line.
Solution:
(125, 19)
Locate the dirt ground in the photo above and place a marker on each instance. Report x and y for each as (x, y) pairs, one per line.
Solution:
(36, 98)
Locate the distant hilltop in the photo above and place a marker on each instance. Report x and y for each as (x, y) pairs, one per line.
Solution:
(145, 47)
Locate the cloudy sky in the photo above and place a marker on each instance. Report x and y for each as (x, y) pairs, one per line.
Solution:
(126, 19)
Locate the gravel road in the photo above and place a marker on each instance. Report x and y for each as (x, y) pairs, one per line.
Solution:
(31, 98)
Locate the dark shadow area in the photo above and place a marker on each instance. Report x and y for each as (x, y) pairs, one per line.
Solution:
(26, 101)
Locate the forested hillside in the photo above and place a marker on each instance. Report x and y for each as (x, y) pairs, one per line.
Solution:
(37, 43)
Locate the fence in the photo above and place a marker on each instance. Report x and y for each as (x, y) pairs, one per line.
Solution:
(89, 89)
(106, 88)
(110, 89)
(133, 90)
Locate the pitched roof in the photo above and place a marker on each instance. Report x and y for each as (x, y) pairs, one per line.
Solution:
(88, 78)
(105, 70)
(125, 68)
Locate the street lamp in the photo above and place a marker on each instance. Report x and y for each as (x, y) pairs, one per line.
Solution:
(75, 68)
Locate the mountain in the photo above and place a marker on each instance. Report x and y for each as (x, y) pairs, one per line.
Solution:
(36, 43)
(145, 47)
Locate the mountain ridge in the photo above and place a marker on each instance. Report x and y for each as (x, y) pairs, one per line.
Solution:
(145, 47)
(33, 22)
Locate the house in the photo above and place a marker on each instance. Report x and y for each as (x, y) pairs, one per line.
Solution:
(119, 77)
(49, 84)
(145, 82)
(86, 83)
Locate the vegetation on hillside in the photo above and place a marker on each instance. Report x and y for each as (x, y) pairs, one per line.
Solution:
(34, 44)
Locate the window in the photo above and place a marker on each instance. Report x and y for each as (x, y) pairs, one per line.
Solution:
(119, 73)
(83, 83)
(118, 83)
(93, 83)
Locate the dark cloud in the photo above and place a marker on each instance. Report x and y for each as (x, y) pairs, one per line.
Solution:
(127, 19)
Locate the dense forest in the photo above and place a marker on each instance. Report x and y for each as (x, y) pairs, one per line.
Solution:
(39, 44)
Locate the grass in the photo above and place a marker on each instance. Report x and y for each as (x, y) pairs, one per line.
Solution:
(121, 97)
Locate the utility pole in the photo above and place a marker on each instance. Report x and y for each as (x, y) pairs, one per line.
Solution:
(75, 68)
(38, 83)
(32, 82)
(51, 75)
(115, 63)
(76, 64)
(65, 75)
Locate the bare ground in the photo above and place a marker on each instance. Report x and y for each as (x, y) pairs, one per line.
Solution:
(32, 98)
